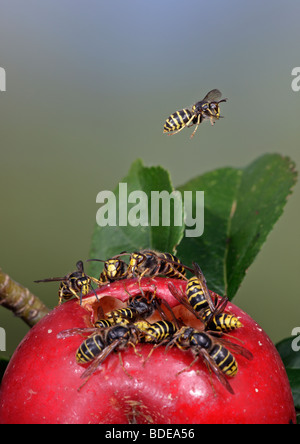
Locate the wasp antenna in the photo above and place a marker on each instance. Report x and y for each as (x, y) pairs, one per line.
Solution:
(124, 253)
(56, 279)
(95, 260)
(185, 266)
(94, 291)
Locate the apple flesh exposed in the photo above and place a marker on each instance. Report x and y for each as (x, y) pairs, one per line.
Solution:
(41, 383)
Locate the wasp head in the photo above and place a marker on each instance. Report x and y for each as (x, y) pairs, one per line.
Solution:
(136, 260)
(84, 285)
(112, 267)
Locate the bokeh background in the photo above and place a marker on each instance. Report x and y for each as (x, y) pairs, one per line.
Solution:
(89, 85)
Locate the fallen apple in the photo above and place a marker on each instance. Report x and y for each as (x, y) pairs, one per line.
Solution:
(42, 382)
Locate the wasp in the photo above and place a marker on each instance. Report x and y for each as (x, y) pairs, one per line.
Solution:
(157, 333)
(101, 343)
(205, 108)
(214, 351)
(139, 307)
(114, 269)
(150, 263)
(198, 300)
(99, 346)
(73, 283)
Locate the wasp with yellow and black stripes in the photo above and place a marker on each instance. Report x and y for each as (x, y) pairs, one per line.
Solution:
(207, 108)
(76, 284)
(138, 307)
(100, 343)
(151, 263)
(214, 351)
(117, 336)
(114, 269)
(198, 300)
(157, 333)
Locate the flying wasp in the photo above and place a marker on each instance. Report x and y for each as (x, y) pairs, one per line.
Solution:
(150, 263)
(198, 300)
(214, 351)
(207, 108)
(73, 284)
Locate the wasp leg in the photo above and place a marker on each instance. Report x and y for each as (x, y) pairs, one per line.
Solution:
(75, 294)
(180, 275)
(152, 350)
(213, 120)
(154, 273)
(135, 350)
(198, 123)
(122, 365)
(149, 354)
(188, 367)
(184, 125)
(60, 298)
(121, 359)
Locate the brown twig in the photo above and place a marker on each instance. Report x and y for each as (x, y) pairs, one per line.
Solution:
(21, 301)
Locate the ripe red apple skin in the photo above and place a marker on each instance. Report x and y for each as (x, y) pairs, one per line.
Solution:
(41, 383)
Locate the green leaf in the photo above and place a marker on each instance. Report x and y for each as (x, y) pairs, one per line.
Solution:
(241, 208)
(210, 249)
(3, 364)
(108, 241)
(289, 350)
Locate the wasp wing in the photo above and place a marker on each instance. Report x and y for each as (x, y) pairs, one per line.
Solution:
(214, 367)
(183, 300)
(200, 276)
(236, 348)
(213, 96)
(76, 331)
(101, 358)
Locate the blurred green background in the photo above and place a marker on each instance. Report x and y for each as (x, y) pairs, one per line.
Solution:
(89, 86)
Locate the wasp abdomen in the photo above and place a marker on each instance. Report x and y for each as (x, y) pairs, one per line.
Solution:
(104, 323)
(123, 316)
(128, 313)
(224, 359)
(89, 349)
(177, 120)
(196, 295)
(222, 322)
(172, 269)
(159, 331)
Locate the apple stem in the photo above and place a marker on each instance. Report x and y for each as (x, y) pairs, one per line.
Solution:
(21, 301)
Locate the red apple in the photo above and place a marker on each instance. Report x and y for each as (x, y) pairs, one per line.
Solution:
(41, 383)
